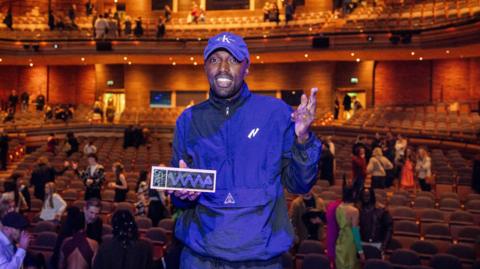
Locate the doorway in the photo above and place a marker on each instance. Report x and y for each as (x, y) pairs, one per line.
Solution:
(117, 99)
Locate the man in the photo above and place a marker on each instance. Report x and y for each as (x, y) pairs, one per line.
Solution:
(256, 145)
(40, 102)
(42, 174)
(93, 177)
(307, 213)
(347, 106)
(24, 99)
(376, 224)
(13, 101)
(11, 233)
(91, 211)
(3, 149)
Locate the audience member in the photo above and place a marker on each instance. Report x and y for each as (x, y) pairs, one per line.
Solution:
(347, 106)
(101, 27)
(389, 153)
(110, 111)
(10, 116)
(157, 209)
(326, 164)
(400, 147)
(77, 251)
(359, 170)
(93, 177)
(274, 13)
(376, 223)
(6, 206)
(14, 240)
(266, 11)
(377, 167)
(91, 212)
(167, 13)
(138, 30)
(71, 15)
(142, 193)
(51, 143)
(4, 139)
(336, 109)
(349, 240)
(161, 27)
(332, 230)
(356, 105)
(127, 26)
(12, 193)
(89, 148)
(128, 137)
(125, 250)
(24, 101)
(40, 102)
(120, 184)
(112, 27)
(288, 11)
(13, 100)
(423, 169)
(407, 164)
(42, 174)
(53, 205)
(98, 111)
(88, 8)
(307, 213)
(71, 144)
(194, 14)
(8, 20)
(51, 20)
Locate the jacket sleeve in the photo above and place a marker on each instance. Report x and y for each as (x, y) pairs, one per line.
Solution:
(299, 161)
(180, 153)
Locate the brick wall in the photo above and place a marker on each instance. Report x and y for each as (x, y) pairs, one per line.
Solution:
(402, 82)
(66, 84)
(456, 80)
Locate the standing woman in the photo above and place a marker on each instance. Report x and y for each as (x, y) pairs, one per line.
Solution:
(348, 241)
(424, 169)
(407, 173)
(120, 185)
(377, 167)
(359, 169)
(142, 193)
(53, 205)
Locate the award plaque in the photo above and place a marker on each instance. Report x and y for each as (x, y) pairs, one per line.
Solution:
(171, 178)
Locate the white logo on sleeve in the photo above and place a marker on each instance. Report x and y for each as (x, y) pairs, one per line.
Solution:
(253, 133)
(229, 199)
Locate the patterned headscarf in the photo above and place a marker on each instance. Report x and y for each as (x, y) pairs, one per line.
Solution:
(124, 227)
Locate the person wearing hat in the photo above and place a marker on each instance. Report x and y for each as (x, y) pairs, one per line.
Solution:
(11, 233)
(258, 147)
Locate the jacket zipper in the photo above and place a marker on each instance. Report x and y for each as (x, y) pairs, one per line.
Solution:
(227, 111)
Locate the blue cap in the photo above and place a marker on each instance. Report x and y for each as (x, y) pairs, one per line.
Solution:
(233, 43)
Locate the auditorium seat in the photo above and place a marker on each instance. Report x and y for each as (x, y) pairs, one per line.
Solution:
(424, 248)
(308, 247)
(314, 261)
(404, 257)
(403, 213)
(465, 252)
(445, 261)
(377, 264)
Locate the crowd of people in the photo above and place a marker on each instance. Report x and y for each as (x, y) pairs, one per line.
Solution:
(271, 12)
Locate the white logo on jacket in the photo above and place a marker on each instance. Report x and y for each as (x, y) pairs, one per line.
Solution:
(253, 133)
(229, 199)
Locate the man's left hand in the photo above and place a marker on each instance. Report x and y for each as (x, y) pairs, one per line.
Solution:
(305, 115)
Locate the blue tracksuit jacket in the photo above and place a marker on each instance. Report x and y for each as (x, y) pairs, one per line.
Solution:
(251, 142)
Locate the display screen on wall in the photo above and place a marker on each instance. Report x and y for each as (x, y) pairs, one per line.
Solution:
(160, 99)
(292, 97)
(227, 4)
(160, 4)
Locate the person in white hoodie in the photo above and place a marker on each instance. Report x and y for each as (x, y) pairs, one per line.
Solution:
(376, 168)
(53, 205)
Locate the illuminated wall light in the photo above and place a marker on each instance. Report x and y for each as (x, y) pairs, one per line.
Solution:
(352, 54)
(82, 59)
(413, 53)
(264, 36)
(174, 63)
(129, 63)
(1, 60)
(170, 58)
(306, 55)
(31, 64)
(261, 62)
(310, 29)
(447, 51)
(358, 60)
(195, 63)
(258, 57)
(191, 58)
(420, 58)
(125, 58)
(199, 39)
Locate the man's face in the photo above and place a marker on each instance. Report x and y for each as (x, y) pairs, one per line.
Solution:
(225, 73)
(91, 213)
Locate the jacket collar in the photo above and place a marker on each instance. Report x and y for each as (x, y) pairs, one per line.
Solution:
(234, 103)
